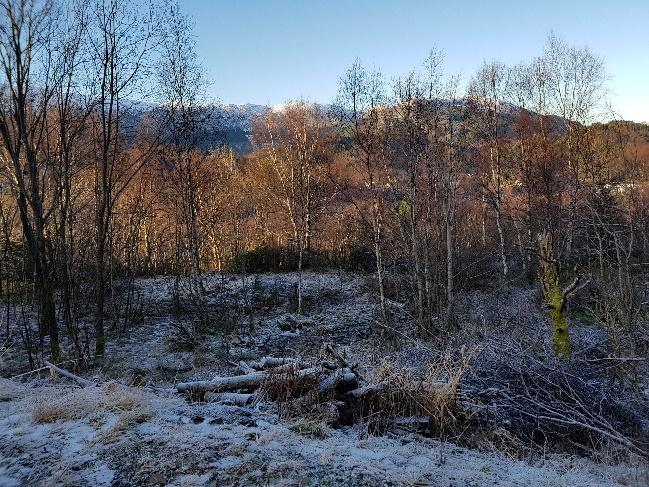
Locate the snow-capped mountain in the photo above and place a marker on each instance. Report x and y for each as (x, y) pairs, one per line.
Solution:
(235, 122)
(232, 124)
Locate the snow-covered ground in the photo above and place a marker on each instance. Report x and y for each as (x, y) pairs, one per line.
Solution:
(116, 435)
(122, 433)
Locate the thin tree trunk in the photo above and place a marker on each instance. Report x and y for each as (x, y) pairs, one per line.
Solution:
(378, 250)
(100, 290)
(299, 280)
(501, 237)
(450, 297)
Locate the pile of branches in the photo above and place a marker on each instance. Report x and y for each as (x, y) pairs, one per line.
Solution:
(581, 402)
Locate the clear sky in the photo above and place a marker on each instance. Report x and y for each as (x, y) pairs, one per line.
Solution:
(271, 51)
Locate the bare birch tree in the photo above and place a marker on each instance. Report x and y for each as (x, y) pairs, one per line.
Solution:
(486, 95)
(295, 143)
(182, 84)
(359, 110)
(27, 84)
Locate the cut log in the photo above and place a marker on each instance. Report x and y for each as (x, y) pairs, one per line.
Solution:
(235, 398)
(282, 369)
(221, 384)
(329, 364)
(245, 368)
(247, 381)
(365, 391)
(342, 380)
(79, 380)
(268, 362)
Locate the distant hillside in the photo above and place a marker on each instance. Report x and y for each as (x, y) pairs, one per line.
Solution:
(231, 124)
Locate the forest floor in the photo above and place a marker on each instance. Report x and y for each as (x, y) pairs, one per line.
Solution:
(125, 433)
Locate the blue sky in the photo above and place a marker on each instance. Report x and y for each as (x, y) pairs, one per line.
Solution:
(272, 51)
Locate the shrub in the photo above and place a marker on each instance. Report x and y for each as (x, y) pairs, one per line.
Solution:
(279, 259)
(362, 259)
(265, 259)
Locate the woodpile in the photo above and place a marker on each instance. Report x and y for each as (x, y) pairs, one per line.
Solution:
(331, 384)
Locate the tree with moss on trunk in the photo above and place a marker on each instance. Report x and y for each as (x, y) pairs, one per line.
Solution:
(556, 296)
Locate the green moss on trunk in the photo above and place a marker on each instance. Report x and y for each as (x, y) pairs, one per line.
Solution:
(559, 320)
(554, 296)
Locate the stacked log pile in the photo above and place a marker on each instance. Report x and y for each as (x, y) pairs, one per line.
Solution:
(332, 384)
(329, 385)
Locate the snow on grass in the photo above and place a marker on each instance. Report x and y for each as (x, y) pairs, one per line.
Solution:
(53, 433)
(179, 443)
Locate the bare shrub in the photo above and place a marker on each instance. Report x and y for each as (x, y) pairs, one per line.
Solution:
(131, 305)
(190, 333)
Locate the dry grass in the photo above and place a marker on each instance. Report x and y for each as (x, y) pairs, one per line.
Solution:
(297, 397)
(311, 428)
(129, 405)
(294, 394)
(431, 395)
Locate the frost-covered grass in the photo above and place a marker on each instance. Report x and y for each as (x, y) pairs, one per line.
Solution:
(183, 444)
(121, 433)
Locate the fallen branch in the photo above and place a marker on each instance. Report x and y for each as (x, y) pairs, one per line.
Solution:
(341, 360)
(247, 381)
(79, 380)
